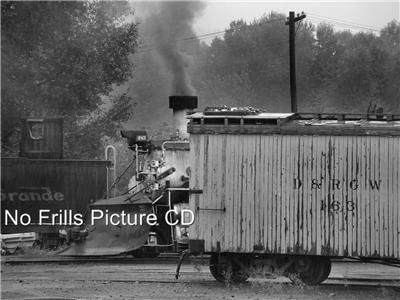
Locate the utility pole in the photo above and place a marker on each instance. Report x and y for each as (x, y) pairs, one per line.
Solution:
(291, 21)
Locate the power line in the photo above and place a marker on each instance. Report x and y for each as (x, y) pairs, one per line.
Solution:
(206, 35)
(343, 22)
(345, 25)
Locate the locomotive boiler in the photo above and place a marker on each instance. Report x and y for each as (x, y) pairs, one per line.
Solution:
(159, 188)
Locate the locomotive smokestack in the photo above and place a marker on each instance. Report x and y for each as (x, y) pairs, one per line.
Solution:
(181, 105)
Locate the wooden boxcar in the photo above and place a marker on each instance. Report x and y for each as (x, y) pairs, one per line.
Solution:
(301, 186)
(28, 185)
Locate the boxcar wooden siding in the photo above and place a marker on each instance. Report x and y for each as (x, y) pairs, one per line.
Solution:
(325, 195)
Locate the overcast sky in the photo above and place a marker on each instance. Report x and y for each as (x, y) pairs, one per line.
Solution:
(352, 15)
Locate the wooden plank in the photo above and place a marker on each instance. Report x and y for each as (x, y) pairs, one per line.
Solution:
(382, 152)
(397, 215)
(203, 183)
(268, 142)
(245, 201)
(358, 203)
(276, 196)
(196, 161)
(283, 198)
(306, 180)
(386, 171)
(319, 195)
(394, 227)
(327, 221)
(239, 183)
(228, 200)
(331, 215)
(250, 193)
(215, 176)
(194, 183)
(302, 195)
(339, 177)
(280, 204)
(291, 204)
(320, 150)
(257, 207)
(374, 197)
(310, 193)
(273, 212)
(264, 189)
(207, 233)
(369, 213)
(255, 199)
(296, 192)
(363, 198)
(396, 204)
(218, 190)
(348, 194)
(287, 191)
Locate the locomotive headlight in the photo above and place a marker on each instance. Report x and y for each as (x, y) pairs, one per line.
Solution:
(154, 164)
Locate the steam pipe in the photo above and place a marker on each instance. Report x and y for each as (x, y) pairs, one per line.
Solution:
(112, 169)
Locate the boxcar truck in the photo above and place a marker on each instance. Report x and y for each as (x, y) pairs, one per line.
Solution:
(289, 192)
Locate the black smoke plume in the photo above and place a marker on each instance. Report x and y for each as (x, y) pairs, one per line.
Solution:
(169, 23)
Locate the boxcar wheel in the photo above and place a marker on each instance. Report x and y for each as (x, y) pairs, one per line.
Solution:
(316, 272)
(224, 269)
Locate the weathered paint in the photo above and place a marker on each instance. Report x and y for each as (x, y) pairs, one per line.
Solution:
(28, 185)
(322, 195)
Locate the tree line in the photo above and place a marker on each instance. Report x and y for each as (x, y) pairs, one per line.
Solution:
(80, 60)
(64, 59)
(337, 71)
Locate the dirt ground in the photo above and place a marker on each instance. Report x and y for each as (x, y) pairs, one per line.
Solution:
(156, 281)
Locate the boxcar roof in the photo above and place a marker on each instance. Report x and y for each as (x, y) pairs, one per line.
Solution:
(295, 123)
(258, 116)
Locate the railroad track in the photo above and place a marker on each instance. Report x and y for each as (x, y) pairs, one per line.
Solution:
(331, 281)
(168, 258)
(163, 258)
(162, 270)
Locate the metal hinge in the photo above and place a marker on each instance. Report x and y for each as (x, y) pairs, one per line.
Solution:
(195, 191)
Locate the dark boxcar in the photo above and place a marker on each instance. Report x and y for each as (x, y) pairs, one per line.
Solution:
(29, 185)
